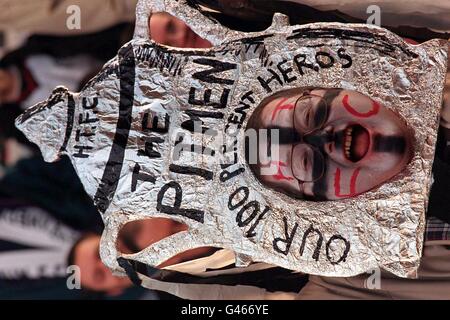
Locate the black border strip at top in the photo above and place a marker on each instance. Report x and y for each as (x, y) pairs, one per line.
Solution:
(111, 174)
(70, 118)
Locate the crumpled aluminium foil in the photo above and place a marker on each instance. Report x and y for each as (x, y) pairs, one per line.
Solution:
(124, 130)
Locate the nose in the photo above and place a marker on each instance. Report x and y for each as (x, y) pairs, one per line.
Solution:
(318, 138)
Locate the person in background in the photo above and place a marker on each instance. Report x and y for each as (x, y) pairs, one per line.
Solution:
(95, 276)
(21, 19)
(29, 74)
(168, 30)
(43, 211)
(53, 17)
(134, 237)
(46, 219)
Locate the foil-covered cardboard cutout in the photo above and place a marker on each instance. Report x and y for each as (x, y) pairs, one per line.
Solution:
(134, 138)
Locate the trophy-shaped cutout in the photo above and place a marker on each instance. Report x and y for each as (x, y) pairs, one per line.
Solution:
(160, 133)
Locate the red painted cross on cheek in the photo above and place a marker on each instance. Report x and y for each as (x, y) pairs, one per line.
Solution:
(280, 175)
(375, 109)
(281, 106)
(337, 184)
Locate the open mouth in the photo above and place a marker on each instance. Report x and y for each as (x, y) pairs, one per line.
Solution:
(356, 142)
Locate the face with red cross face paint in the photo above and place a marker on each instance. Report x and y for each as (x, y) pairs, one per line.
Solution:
(328, 144)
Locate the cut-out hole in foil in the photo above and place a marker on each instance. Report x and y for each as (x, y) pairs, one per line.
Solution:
(325, 144)
(138, 235)
(188, 255)
(168, 30)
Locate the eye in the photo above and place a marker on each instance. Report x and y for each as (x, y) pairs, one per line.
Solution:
(307, 116)
(310, 116)
(305, 162)
(304, 114)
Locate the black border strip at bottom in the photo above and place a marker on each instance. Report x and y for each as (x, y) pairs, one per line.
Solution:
(273, 279)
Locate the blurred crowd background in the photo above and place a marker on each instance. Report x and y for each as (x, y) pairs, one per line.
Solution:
(47, 221)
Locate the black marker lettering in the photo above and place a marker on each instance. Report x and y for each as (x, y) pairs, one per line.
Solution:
(207, 99)
(248, 96)
(70, 118)
(204, 114)
(193, 148)
(192, 171)
(288, 238)
(344, 254)
(251, 232)
(265, 82)
(254, 207)
(232, 206)
(89, 106)
(149, 150)
(194, 214)
(227, 175)
(80, 134)
(343, 55)
(138, 176)
(111, 174)
(87, 119)
(285, 72)
(324, 59)
(156, 123)
(316, 253)
(239, 116)
(193, 125)
(80, 153)
(217, 67)
(300, 62)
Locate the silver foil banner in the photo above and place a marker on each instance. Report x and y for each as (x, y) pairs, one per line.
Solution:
(124, 130)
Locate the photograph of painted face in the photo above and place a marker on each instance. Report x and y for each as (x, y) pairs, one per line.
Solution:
(331, 143)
